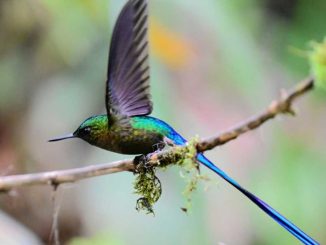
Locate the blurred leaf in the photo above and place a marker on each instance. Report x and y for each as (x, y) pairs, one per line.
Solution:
(75, 27)
(318, 63)
(100, 239)
(168, 46)
(308, 24)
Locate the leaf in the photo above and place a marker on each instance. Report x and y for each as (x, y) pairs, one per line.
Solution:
(318, 63)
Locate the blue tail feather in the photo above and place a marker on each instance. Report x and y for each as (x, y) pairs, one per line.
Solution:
(294, 230)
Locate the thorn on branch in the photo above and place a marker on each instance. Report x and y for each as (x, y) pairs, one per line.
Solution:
(54, 183)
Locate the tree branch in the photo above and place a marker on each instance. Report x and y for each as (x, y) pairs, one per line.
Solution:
(170, 156)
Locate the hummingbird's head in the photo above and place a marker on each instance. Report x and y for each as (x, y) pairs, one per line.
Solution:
(90, 130)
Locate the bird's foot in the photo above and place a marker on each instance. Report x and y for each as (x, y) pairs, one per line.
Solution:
(158, 147)
(140, 159)
(142, 163)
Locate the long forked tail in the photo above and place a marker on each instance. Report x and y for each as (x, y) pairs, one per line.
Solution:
(299, 234)
(304, 238)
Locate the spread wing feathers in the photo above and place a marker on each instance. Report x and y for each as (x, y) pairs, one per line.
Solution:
(127, 90)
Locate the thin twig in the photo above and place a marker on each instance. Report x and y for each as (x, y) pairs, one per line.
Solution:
(56, 202)
(55, 178)
(58, 177)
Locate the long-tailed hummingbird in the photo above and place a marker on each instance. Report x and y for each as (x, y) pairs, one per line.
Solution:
(127, 127)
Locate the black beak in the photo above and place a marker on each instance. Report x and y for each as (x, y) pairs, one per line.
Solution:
(69, 136)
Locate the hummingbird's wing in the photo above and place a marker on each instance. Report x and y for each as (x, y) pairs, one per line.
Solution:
(127, 89)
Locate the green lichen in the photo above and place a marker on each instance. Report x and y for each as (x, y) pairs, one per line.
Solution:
(317, 57)
(148, 186)
(192, 181)
(190, 173)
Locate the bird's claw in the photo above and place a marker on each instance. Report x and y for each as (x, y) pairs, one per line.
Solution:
(158, 147)
(141, 163)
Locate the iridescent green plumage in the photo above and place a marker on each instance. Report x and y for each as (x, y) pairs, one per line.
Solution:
(138, 134)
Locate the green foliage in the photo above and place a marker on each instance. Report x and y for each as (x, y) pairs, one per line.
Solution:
(318, 63)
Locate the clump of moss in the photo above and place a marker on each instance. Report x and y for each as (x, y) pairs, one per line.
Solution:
(191, 173)
(192, 180)
(148, 186)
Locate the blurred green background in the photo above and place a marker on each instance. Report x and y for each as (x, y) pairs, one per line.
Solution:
(213, 64)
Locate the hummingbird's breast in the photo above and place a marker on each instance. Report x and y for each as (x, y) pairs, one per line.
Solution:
(130, 140)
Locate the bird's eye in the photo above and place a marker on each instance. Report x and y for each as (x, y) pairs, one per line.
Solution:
(87, 129)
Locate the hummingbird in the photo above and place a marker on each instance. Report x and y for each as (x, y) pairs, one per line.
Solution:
(126, 127)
